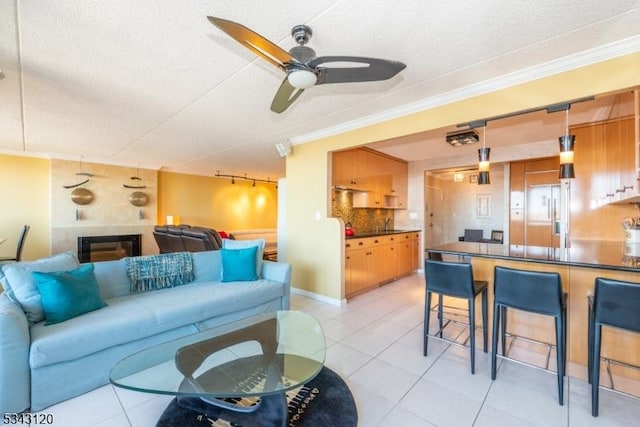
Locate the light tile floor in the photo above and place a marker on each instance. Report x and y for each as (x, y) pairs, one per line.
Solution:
(375, 343)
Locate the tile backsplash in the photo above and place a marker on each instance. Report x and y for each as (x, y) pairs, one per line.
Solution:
(362, 219)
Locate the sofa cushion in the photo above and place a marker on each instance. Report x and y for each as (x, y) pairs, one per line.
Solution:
(112, 278)
(239, 264)
(207, 266)
(140, 315)
(22, 287)
(242, 244)
(68, 294)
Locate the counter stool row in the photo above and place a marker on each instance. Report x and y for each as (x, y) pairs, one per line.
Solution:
(614, 304)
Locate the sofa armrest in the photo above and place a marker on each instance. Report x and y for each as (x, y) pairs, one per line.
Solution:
(279, 272)
(15, 376)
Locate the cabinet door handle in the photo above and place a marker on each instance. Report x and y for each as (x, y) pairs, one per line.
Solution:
(375, 241)
(348, 245)
(360, 243)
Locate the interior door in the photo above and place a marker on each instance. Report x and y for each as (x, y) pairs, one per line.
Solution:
(433, 217)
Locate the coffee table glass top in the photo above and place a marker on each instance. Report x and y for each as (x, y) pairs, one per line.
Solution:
(258, 356)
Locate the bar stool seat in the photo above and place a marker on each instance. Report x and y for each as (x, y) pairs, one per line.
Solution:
(615, 303)
(455, 279)
(534, 292)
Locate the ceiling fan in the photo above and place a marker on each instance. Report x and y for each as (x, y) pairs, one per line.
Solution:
(303, 68)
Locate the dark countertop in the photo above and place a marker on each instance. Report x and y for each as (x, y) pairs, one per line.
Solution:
(584, 253)
(379, 233)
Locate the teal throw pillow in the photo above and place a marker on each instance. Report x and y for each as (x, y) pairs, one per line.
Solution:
(68, 294)
(239, 264)
(21, 286)
(242, 244)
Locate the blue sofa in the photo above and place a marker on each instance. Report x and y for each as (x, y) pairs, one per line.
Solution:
(41, 364)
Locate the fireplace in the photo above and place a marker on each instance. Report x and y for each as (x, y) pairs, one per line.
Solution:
(106, 248)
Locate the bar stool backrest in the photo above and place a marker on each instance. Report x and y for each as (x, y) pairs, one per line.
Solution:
(536, 291)
(450, 278)
(617, 304)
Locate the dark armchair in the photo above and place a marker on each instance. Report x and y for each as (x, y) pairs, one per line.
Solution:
(186, 238)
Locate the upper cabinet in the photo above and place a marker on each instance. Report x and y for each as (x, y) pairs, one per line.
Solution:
(607, 153)
(377, 180)
(349, 170)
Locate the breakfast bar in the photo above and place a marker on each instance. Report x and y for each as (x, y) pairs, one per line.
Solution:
(578, 265)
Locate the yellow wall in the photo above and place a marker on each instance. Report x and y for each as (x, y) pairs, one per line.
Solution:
(25, 199)
(216, 203)
(315, 247)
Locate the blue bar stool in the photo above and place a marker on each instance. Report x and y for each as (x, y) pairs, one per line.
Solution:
(535, 292)
(455, 279)
(615, 303)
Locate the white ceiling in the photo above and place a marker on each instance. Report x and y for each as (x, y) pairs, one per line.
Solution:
(154, 83)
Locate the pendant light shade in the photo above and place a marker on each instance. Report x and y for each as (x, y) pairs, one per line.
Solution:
(483, 166)
(566, 151)
(483, 160)
(566, 156)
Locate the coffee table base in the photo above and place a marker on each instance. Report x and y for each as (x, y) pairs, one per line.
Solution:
(271, 410)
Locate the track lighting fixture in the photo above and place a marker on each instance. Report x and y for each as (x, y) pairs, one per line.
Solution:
(246, 178)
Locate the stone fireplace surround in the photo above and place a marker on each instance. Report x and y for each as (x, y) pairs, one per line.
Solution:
(110, 213)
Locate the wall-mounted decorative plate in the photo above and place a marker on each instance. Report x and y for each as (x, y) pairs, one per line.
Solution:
(138, 198)
(81, 196)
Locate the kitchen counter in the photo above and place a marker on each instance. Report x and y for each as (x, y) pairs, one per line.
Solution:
(578, 266)
(379, 233)
(585, 253)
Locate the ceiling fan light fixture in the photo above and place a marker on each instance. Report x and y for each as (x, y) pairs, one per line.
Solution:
(302, 79)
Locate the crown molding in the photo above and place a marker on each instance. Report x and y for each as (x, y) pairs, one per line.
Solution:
(75, 158)
(567, 63)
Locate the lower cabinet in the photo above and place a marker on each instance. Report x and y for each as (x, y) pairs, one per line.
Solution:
(372, 261)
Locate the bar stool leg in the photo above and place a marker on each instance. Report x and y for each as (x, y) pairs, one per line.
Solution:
(485, 309)
(472, 333)
(560, 357)
(494, 338)
(595, 369)
(427, 315)
(590, 342)
(564, 341)
(503, 336)
(440, 314)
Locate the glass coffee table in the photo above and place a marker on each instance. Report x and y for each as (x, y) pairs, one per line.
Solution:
(262, 356)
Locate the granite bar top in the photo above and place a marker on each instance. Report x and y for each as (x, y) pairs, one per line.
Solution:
(379, 233)
(586, 253)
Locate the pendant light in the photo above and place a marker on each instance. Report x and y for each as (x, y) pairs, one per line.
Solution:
(483, 160)
(566, 151)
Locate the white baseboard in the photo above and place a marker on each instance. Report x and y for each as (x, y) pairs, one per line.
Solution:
(318, 297)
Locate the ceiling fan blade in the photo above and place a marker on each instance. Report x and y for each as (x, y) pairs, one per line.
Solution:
(285, 96)
(254, 42)
(364, 69)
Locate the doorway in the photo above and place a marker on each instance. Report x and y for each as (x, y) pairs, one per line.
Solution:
(433, 216)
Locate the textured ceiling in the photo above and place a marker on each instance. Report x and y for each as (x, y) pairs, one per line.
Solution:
(154, 83)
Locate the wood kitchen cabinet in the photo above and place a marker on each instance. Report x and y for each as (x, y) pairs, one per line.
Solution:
(377, 180)
(606, 152)
(621, 163)
(349, 169)
(372, 261)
